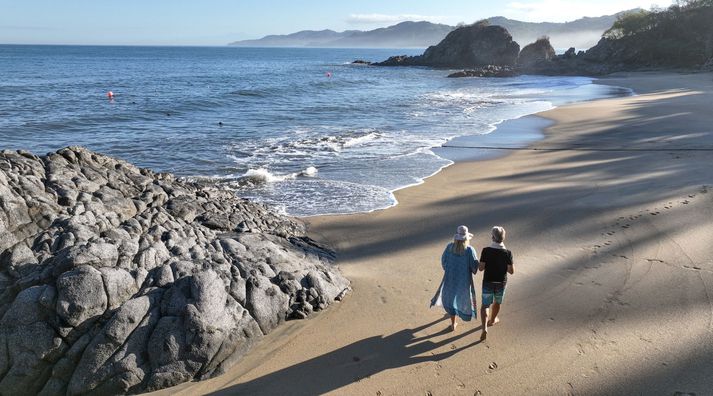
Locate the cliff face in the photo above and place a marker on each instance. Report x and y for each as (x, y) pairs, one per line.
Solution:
(115, 279)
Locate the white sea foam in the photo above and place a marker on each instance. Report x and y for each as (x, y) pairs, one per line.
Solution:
(360, 140)
(262, 175)
(311, 171)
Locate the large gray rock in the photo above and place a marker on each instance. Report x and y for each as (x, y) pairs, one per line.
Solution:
(472, 46)
(115, 279)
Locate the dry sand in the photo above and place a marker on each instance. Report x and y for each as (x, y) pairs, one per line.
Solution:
(610, 219)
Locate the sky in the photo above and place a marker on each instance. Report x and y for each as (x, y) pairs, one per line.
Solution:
(218, 22)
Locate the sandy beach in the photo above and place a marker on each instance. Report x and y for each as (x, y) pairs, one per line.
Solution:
(609, 219)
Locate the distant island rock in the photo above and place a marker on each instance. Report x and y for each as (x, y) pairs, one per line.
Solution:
(116, 280)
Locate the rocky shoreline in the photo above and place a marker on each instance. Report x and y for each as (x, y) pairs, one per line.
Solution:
(115, 279)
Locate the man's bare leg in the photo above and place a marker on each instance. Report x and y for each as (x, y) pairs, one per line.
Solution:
(494, 319)
(484, 320)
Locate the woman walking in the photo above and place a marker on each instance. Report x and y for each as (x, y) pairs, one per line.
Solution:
(456, 293)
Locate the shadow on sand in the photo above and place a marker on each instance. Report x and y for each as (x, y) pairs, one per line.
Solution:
(356, 361)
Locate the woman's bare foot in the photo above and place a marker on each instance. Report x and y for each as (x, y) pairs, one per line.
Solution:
(454, 326)
(494, 322)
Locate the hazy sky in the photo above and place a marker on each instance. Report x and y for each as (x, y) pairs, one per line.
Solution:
(217, 22)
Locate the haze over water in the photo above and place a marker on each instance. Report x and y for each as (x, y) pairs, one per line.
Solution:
(302, 129)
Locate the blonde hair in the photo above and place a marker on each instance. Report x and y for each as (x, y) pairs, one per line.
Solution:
(498, 234)
(459, 246)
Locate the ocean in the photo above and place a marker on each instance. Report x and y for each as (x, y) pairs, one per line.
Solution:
(302, 129)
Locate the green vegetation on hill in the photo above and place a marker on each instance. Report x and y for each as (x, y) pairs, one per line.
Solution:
(681, 35)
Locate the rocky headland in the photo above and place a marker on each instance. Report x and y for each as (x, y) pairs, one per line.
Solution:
(115, 279)
(680, 37)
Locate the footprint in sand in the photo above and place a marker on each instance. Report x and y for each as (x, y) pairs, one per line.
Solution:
(626, 226)
(493, 366)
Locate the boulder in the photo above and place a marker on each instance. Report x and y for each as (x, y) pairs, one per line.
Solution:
(116, 280)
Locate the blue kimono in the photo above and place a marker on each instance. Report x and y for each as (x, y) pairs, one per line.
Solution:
(456, 294)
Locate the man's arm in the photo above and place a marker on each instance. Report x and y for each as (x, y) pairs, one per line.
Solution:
(511, 269)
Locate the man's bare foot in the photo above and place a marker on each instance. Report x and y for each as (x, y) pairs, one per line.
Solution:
(483, 335)
(494, 322)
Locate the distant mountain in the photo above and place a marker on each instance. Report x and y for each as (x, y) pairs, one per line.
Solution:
(582, 33)
(304, 38)
(402, 35)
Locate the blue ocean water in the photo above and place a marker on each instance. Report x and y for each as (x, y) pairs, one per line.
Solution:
(302, 129)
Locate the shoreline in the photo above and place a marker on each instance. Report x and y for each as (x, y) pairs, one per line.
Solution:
(515, 133)
(612, 249)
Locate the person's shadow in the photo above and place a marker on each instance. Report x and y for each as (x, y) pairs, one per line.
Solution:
(353, 363)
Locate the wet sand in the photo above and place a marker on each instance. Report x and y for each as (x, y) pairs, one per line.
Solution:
(610, 219)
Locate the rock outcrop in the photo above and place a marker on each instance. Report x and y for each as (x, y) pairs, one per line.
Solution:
(487, 71)
(538, 52)
(472, 46)
(115, 279)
